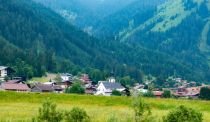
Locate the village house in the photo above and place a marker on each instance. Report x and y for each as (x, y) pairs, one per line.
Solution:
(66, 77)
(64, 84)
(90, 90)
(47, 88)
(192, 92)
(105, 88)
(18, 87)
(4, 72)
(158, 94)
(85, 79)
(15, 82)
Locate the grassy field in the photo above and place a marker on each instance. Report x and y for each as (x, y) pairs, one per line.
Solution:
(47, 78)
(19, 107)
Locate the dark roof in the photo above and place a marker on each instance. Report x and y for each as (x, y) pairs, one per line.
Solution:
(57, 87)
(22, 87)
(109, 85)
(44, 87)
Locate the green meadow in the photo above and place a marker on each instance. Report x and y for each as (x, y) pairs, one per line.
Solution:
(21, 107)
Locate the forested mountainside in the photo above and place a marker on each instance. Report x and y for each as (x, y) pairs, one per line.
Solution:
(85, 13)
(126, 19)
(179, 28)
(35, 39)
(43, 38)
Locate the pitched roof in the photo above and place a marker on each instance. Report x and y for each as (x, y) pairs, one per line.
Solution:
(57, 87)
(109, 85)
(3, 67)
(22, 87)
(66, 74)
(158, 93)
(13, 81)
(44, 87)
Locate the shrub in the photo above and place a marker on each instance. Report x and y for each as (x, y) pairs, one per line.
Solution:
(149, 94)
(142, 111)
(77, 115)
(167, 94)
(76, 88)
(183, 114)
(48, 113)
(116, 93)
(205, 93)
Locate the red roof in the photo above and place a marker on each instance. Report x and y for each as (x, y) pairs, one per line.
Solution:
(12, 81)
(20, 87)
(158, 93)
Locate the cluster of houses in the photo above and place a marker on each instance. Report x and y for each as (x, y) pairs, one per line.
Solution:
(104, 88)
(67, 80)
(185, 89)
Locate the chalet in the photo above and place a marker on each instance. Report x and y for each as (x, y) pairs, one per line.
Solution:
(85, 79)
(4, 72)
(66, 77)
(158, 94)
(90, 90)
(58, 89)
(64, 84)
(105, 88)
(42, 88)
(14, 82)
(15, 87)
(192, 92)
(47, 88)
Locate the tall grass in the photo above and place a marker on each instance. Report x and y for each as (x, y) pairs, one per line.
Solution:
(15, 107)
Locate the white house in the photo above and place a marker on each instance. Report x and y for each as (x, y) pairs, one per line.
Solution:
(66, 77)
(105, 88)
(3, 72)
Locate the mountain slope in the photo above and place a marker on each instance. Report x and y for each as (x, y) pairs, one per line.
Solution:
(44, 41)
(83, 13)
(126, 19)
(179, 28)
(41, 33)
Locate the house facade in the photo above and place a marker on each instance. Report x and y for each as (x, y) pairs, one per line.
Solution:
(105, 88)
(47, 88)
(3, 72)
(66, 77)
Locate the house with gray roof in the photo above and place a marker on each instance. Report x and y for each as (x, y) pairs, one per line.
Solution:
(105, 88)
(47, 88)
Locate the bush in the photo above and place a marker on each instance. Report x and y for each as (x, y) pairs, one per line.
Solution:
(142, 111)
(77, 115)
(183, 114)
(205, 93)
(149, 94)
(167, 94)
(116, 93)
(48, 113)
(76, 88)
